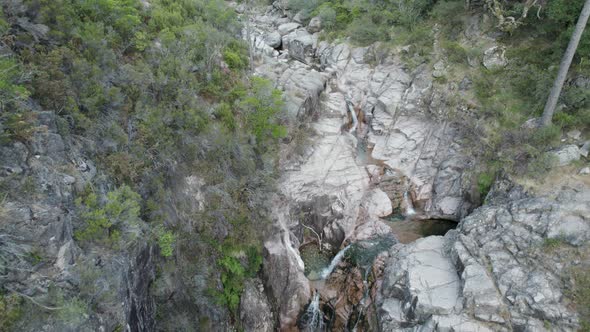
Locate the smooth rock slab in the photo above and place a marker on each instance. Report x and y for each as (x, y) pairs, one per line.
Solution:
(287, 28)
(378, 204)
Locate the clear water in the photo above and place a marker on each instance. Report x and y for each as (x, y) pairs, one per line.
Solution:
(315, 260)
(408, 230)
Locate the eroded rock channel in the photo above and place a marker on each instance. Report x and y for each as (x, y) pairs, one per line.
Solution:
(364, 221)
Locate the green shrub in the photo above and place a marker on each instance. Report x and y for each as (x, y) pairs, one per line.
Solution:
(262, 107)
(484, 183)
(234, 273)
(104, 220)
(166, 242)
(16, 126)
(328, 17)
(364, 31)
(581, 295)
(409, 12)
(10, 310)
(225, 114)
(455, 52)
(546, 137)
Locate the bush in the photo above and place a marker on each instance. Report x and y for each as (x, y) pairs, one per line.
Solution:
(166, 242)
(455, 52)
(10, 310)
(262, 107)
(234, 274)
(409, 12)
(364, 31)
(484, 183)
(545, 137)
(581, 295)
(328, 17)
(104, 221)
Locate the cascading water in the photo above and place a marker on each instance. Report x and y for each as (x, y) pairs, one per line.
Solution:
(353, 115)
(409, 206)
(326, 272)
(313, 317)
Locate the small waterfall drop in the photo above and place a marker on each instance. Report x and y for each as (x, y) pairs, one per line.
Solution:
(314, 320)
(409, 206)
(326, 272)
(350, 108)
(287, 241)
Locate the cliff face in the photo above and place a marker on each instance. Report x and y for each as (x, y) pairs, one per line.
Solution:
(42, 262)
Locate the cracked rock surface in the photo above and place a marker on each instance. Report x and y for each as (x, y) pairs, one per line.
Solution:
(492, 273)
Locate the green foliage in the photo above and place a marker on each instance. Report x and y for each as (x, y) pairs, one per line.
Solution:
(364, 30)
(104, 220)
(546, 137)
(124, 167)
(455, 52)
(328, 16)
(234, 273)
(11, 89)
(235, 55)
(16, 126)
(409, 12)
(4, 26)
(261, 107)
(484, 183)
(225, 114)
(581, 295)
(550, 244)
(150, 87)
(166, 241)
(10, 310)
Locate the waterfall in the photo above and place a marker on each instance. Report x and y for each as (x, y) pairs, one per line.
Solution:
(313, 315)
(287, 241)
(326, 272)
(409, 207)
(353, 115)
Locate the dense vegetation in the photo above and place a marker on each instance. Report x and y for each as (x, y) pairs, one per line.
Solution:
(161, 90)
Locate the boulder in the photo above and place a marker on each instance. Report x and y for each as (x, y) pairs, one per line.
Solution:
(574, 134)
(494, 58)
(585, 149)
(566, 154)
(315, 25)
(287, 28)
(439, 70)
(273, 39)
(301, 46)
(378, 204)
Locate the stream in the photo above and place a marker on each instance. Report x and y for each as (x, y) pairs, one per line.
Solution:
(360, 168)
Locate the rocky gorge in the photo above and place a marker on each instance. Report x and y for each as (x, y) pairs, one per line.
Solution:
(204, 165)
(384, 148)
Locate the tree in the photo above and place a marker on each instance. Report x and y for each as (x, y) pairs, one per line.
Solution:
(565, 65)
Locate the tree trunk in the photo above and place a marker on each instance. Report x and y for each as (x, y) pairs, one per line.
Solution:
(566, 61)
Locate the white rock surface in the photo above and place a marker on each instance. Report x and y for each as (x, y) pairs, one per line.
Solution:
(495, 58)
(489, 274)
(566, 154)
